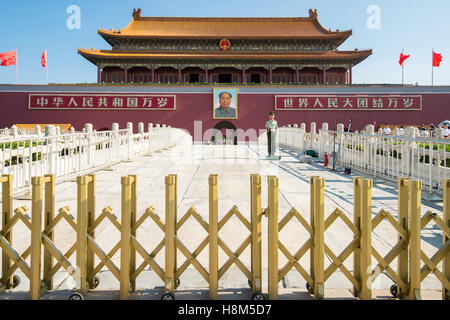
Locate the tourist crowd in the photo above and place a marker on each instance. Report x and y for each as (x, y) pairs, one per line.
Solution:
(423, 130)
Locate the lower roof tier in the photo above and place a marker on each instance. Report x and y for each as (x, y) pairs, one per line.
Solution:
(103, 57)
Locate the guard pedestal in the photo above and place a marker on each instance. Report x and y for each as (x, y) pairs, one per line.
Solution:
(273, 146)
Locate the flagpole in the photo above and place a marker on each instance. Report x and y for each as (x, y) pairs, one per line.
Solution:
(46, 63)
(403, 75)
(432, 69)
(17, 66)
(403, 70)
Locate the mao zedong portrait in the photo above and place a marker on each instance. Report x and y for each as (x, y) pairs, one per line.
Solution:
(226, 110)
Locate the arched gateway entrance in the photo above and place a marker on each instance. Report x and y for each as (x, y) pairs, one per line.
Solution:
(224, 133)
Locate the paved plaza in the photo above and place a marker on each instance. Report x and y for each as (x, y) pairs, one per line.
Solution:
(233, 164)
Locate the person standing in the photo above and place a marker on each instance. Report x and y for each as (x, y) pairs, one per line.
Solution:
(272, 130)
(423, 131)
(432, 130)
(445, 130)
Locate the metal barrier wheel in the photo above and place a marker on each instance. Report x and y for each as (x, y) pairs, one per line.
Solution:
(76, 296)
(168, 296)
(308, 287)
(258, 296)
(394, 290)
(177, 283)
(96, 282)
(15, 283)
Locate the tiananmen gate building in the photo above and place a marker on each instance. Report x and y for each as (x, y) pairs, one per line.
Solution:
(225, 50)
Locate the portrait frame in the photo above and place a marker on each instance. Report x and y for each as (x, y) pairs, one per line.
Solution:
(233, 103)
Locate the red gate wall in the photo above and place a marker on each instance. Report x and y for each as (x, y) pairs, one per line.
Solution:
(195, 105)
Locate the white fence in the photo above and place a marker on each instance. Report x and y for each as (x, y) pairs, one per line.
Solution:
(427, 159)
(4, 132)
(74, 153)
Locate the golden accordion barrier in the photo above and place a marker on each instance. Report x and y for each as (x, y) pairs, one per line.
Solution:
(45, 259)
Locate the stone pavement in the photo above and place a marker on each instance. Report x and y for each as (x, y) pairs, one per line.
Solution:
(233, 164)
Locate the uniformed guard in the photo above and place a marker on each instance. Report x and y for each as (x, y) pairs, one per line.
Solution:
(272, 130)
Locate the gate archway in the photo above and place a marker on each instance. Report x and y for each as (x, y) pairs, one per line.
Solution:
(225, 133)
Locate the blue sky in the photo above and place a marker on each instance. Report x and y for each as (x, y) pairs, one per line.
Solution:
(415, 25)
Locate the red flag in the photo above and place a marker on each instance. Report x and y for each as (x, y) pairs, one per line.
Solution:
(437, 59)
(44, 59)
(403, 57)
(8, 58)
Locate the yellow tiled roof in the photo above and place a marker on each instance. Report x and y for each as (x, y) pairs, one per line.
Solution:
(189, 27)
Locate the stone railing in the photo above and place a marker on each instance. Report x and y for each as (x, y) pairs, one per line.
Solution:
(72, 153)
(408, 155)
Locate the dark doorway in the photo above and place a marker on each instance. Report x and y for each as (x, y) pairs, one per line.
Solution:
(224, 133)
(224, 77)
(255, 78)
(194, 78)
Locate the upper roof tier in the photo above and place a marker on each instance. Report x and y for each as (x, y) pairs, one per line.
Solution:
(118, 56)
(230, 28)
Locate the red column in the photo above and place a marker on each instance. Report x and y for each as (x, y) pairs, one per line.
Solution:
(270, 74)
(206, 73)
(126, 74)
(324, 76)
(153, 74)
(179, 74)
(297, 80)
(99, 74)
(350, 75)
(244, 79)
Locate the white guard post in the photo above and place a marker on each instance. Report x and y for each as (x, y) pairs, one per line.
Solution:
(274, 146)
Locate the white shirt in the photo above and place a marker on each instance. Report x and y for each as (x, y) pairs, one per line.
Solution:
(446, 132)
(272, 125)
(387, 130)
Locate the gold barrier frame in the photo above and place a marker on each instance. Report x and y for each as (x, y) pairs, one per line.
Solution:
(44, 219)
(409, 274)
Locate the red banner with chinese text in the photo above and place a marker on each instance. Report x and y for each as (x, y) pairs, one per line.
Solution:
(101, 102)
(348, 102)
